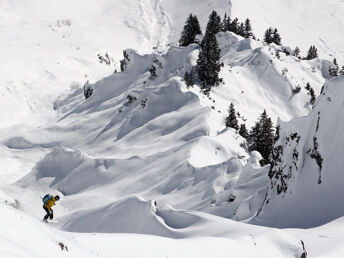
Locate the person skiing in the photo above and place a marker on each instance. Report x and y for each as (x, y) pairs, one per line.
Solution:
(49, 201)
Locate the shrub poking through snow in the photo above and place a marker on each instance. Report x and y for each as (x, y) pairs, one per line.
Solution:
(124, 62)
(311, 93)
(297, 89)
(153, 74)
(63, 246)
(88, 90)
(144, 103)
(131, 99)
(105, 59)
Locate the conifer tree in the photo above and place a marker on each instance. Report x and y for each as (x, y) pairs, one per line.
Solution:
(248, 29)
(261, 137)
(231, 119)
(208, 63)
(333, 70)
(241, 29)
(312, 53)
(190, 31)
(297, 52)
(214, 23)
(234, 25)
(311, 93)
(276, 38)
(268, 37)
(188, 78)
(243, 131)
(224, 23)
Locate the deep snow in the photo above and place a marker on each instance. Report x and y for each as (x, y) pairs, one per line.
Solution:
(162, 164)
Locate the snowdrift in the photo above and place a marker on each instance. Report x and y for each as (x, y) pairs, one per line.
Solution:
(133, 215)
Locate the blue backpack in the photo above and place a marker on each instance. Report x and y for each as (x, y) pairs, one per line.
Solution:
(46, 198)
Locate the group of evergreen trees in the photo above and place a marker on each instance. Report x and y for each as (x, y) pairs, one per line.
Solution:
(310, 93)
(261, 136)
(312, 53)
(243, 29)
(208, 63)
(334, 69)
(272, 36)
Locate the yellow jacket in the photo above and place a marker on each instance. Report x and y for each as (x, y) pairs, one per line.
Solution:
(50, 203)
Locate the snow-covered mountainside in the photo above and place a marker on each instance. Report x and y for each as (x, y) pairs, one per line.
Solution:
(306, 180)
(301, 23)
(147, 162)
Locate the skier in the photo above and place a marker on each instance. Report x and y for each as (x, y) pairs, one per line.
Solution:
(49, 201)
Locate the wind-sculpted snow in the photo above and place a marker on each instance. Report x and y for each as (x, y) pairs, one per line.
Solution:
(306, 177)
(148, 128)
(132, 215)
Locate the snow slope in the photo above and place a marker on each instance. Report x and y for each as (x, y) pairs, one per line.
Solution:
(300, 23)
(50, 47)
(306, 183)
(150, 147)
(222, 237)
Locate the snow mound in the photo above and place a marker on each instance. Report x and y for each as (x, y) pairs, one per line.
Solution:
(133, 215)
(68, 171)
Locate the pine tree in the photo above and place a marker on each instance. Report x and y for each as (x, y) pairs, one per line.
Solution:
(188, 78)
(190, 31)
(224, 23)
(208, 63)
(333, 70)
(243, 131)
(312, 53)
(311, 93)
(234, 26)
(241, 30)
(297, 52)
(268, 37)
(214, 23)
(261, 137)
(231, 119)
(248, 29)
(276, 38)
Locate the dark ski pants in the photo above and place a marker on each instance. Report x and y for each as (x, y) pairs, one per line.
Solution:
(50, 213)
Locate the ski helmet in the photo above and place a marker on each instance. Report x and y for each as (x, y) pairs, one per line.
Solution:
(57, 197)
